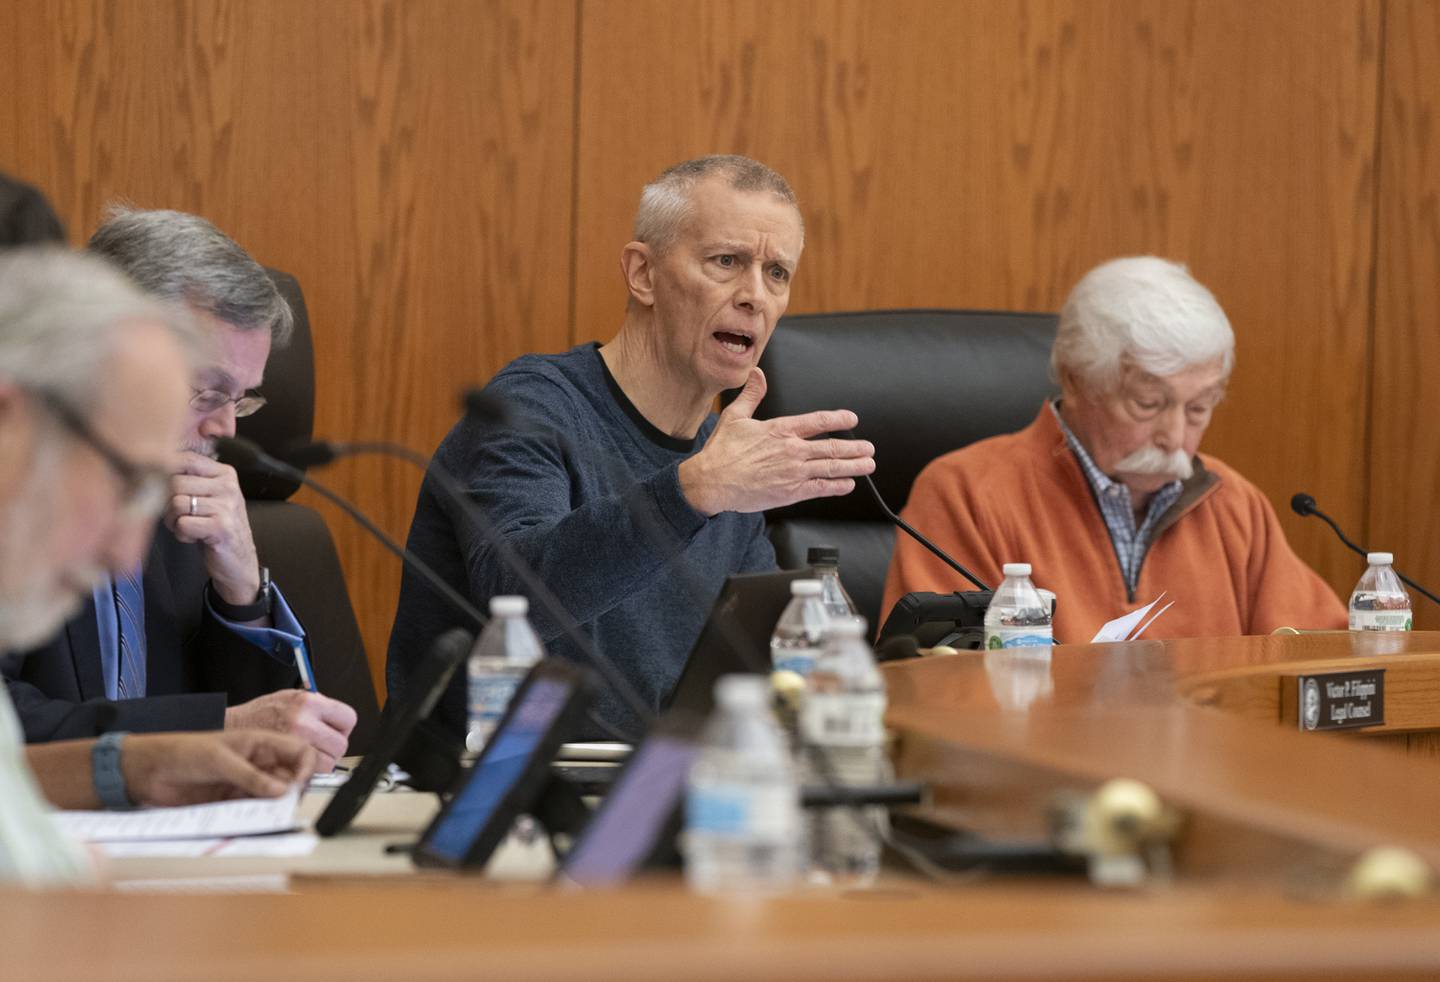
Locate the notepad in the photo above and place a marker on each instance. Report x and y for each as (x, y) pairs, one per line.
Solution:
(215, 820)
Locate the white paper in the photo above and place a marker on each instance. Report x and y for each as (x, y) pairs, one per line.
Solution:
(219, 819)
(1128, 628)
(282, 845)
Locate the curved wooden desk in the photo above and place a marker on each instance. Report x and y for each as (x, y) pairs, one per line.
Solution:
(997, 734)
(1205, 722)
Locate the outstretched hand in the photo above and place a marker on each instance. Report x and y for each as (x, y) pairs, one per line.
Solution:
(751, 465)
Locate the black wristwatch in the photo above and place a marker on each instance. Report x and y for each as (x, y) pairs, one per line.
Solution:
(253, 611)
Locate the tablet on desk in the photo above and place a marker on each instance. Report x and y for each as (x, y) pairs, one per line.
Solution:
(639, 820)
(512, 772)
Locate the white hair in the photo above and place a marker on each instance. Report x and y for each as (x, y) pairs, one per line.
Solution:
(665, 202)
(1142, 309)
(62, 316)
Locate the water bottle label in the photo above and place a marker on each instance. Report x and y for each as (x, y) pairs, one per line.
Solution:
(1030, 636)
(742, 811)
(798, 660)
(1380, 620)
(839, 719)
(490, 695)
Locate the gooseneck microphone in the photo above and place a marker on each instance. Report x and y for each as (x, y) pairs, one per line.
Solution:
(1304, 506)
(324, 452)
(909, 530)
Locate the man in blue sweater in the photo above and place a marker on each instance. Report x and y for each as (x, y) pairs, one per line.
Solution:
(618, 485)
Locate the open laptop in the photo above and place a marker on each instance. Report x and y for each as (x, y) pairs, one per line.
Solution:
(736, 637)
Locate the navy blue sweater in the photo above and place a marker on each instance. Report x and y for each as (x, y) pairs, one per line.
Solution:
(587, 492)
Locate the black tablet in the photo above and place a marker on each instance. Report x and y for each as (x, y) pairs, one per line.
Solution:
(511, 773)
(397, 723)
(639, 820)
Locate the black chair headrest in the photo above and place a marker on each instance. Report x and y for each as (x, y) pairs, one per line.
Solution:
(923, 382)
(289, 414)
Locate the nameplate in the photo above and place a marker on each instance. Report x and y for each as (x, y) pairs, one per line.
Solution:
(1342, 700)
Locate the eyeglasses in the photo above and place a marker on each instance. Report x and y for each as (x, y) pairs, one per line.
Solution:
(209, 400)
(146, 486)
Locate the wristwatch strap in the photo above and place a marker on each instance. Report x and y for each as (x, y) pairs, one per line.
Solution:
(255, 610)
(108, 778)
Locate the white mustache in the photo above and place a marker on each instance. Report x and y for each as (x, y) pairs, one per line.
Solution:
(1150, 459)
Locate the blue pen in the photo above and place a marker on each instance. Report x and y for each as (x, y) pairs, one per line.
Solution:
(302, 662)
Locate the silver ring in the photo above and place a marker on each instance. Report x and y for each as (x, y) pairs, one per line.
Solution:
(194, 506)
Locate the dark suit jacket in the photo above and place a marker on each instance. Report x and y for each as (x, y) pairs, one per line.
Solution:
(194, 665)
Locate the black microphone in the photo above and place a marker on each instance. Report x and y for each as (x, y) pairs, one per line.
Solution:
(323, 452)
(1304, 505)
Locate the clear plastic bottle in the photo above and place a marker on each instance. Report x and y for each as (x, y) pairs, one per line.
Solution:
(825, 562)
(1018, 617)
(742, 813)
(1379, 601)
(800, 632)
(842, 726)
(507, 649)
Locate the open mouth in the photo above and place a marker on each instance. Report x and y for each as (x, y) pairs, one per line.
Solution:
(735, 341)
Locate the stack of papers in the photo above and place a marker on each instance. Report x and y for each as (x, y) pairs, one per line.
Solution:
(195, 830)
(1129, 627)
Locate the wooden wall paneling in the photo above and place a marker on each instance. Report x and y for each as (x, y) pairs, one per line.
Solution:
(985, 155)
(1405, 404)
(410, 163)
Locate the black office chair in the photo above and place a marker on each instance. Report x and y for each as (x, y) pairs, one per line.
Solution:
(923, 382)
(293, 540)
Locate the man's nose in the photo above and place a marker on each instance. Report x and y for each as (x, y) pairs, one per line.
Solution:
(750, 289)
(1170, 428)
(220, 423)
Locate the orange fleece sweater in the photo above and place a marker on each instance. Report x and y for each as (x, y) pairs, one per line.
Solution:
(1218, 552)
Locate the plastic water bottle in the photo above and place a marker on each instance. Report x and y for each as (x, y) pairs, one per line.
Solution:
(825, 561)
(742, 814)
(842, 725)
(800, 632)
(1379, 602)
(1018, 617)
(507, 649)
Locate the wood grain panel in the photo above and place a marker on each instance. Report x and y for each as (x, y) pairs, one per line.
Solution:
(1405, 407)
(409, 163)
(986, 154)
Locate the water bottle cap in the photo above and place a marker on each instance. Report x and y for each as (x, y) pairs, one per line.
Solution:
(1016, 569)
(1380, 558)
(509, 606)
(823, 556)
(742, 691)
(846, 626)
(805, 588)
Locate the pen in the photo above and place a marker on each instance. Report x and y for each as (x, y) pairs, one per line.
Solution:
(302, 662)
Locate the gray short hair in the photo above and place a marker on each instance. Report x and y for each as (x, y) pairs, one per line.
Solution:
(62, 316)
(183, 257)
(1145, 309)
(665, 201)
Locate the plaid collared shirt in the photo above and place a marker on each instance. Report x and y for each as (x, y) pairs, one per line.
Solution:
(1130, 543)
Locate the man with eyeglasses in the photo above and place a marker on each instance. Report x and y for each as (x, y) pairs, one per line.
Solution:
(92, 388)
(1106, 494)
(199, 639)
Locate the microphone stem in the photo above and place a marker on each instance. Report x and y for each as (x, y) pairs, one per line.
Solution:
(875, 493)
(1403, 578)
(410, 559)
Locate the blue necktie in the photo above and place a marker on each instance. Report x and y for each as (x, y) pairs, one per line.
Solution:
(130, 612)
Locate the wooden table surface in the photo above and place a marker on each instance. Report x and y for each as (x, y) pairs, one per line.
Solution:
(1276, 814)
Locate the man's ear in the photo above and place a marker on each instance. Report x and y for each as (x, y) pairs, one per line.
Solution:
(17, 439)
(637, 263)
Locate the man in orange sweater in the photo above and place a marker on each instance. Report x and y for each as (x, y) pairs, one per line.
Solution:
(1105, 494)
